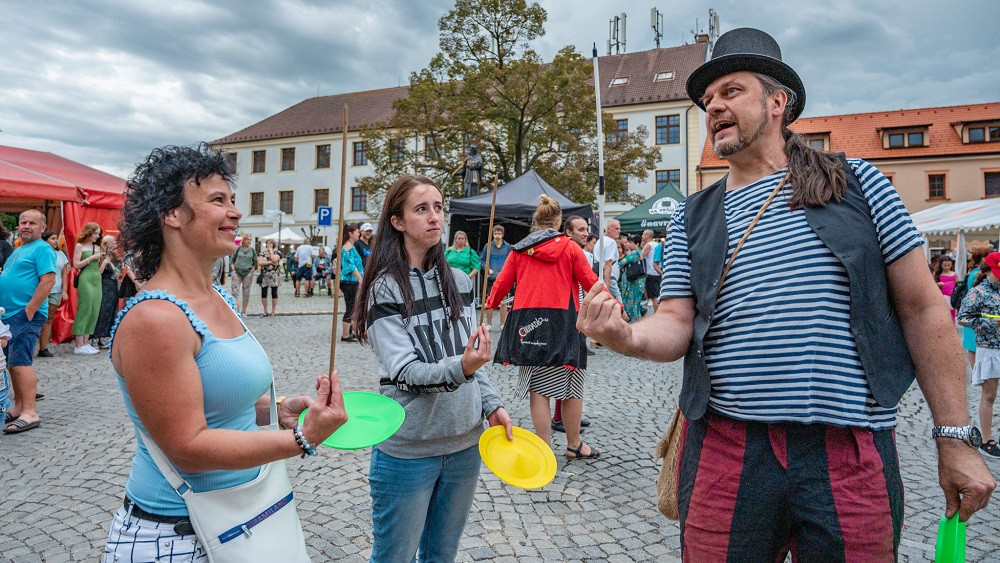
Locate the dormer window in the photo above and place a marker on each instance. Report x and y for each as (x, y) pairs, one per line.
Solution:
(981, 132)
(621, 81)
(909, 137)
(818, 141)
(669, 75)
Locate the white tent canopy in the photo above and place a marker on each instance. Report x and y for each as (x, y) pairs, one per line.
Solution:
(286, 235)
(980, 216)
(967, 216)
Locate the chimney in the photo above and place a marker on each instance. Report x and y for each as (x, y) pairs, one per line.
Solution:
(701, 38)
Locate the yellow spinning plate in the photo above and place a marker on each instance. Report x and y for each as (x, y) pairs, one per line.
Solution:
(526, 462)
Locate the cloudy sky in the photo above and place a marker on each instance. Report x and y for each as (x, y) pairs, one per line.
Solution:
(104, 81)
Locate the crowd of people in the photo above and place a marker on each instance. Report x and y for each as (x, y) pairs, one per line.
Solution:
(801, 319)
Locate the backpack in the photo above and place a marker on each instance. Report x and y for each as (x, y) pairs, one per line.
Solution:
(958, 294)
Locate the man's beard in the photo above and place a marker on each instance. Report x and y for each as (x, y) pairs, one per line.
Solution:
(743, 140)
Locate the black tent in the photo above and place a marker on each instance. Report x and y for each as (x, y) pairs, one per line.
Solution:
(516, 202)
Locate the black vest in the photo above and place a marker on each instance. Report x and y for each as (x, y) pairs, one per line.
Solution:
(846, 228)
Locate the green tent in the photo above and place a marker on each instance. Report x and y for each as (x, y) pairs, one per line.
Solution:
(654, 213)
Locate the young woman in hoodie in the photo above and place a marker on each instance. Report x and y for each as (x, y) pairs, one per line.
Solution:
(416, 311)
(540, 335)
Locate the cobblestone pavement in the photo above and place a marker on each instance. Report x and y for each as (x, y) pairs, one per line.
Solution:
(60, 484)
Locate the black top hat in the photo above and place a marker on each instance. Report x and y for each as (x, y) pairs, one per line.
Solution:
(751, 50)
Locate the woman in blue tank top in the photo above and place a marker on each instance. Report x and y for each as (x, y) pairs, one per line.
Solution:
(201, 390)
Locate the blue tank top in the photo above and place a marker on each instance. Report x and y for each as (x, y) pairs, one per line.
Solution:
(235, 372)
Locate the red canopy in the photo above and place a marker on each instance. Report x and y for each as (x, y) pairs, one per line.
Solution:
(87, 195)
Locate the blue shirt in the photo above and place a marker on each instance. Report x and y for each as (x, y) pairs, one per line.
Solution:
(498, 257)
(235, 372)
(21, 274)
(780, 347)
(351, 262)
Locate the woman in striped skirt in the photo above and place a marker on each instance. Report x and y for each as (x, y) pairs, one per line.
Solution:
(540, 334)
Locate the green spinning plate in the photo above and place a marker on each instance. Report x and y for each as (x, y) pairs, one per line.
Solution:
(371, 419)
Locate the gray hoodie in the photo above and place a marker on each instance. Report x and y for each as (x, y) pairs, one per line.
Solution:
(420, 366)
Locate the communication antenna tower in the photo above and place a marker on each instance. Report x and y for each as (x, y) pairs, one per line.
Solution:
(656, 22)
(713, 28)
(616, 34)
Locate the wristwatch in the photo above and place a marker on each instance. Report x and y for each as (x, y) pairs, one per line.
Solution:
(968, 434)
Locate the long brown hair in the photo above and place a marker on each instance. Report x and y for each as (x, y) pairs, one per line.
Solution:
(88, 231)
(816, 176)
(389, 259)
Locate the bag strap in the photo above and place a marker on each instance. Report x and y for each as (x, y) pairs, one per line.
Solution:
(739, 245)
(167, 468)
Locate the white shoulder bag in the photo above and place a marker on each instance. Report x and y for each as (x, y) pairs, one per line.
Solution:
(255, 521)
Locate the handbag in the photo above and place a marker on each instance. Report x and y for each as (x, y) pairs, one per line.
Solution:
(255, 521)
(634, 271)
(669, 447)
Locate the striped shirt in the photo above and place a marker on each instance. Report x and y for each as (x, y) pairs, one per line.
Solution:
(780, 347)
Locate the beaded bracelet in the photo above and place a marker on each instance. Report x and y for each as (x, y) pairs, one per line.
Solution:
(307, 448)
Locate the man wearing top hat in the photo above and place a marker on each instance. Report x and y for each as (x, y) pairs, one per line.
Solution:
(795, 359)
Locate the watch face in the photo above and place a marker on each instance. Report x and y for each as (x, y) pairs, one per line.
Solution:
(975, 437)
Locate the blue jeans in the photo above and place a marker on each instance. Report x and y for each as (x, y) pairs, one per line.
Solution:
(421, 503)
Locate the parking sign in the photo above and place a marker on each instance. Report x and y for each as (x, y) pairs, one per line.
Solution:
(324, 216)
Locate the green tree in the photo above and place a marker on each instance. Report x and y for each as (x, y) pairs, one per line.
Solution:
(488, 87)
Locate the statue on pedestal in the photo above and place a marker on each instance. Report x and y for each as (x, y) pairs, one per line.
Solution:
(471, 171)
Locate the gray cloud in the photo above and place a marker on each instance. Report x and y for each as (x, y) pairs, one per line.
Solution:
(104, 81)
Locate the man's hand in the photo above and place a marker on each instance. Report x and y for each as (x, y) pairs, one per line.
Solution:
(966, 481)
(500, 417)
(600, 318)
(29, 313)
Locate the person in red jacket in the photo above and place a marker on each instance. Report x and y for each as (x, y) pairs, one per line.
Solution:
(540, 335)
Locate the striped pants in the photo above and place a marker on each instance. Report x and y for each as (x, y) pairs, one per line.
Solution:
(751, 491)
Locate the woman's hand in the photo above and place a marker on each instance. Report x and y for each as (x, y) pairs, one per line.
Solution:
(477, 351)
(326, 412)
(500, 417)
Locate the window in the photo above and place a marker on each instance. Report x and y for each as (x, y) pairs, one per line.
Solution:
(256, 203)
(620, 132)
(983, 133)
(360, 156)
(287, 159)
(667, 176)
(619, 81)
(668, 129)
(914, 136)
(669, 75)
(992, 181)
(431, 150)
(359, 199)
(935, 186)
(322, 156)
(231, 161)
(397, 150)
(259, 162)
(321, 197)
(816, 144)
(286, 201)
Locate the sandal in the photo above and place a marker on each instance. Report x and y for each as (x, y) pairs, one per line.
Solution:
(578, 452)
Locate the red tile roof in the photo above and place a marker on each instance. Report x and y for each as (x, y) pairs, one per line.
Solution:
(642, 67)
(324, 115)
(859, 134)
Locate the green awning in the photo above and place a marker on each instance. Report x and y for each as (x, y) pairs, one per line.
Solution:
(654, 213)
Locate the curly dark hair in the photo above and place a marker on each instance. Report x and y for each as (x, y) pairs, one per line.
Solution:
(156, 187)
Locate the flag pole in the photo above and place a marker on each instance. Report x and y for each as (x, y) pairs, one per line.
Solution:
(339, 245)
(489, 246)
(600, 163)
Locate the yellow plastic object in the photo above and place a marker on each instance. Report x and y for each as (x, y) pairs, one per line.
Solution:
(989, 316)
(950, 541)
(526, 462)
